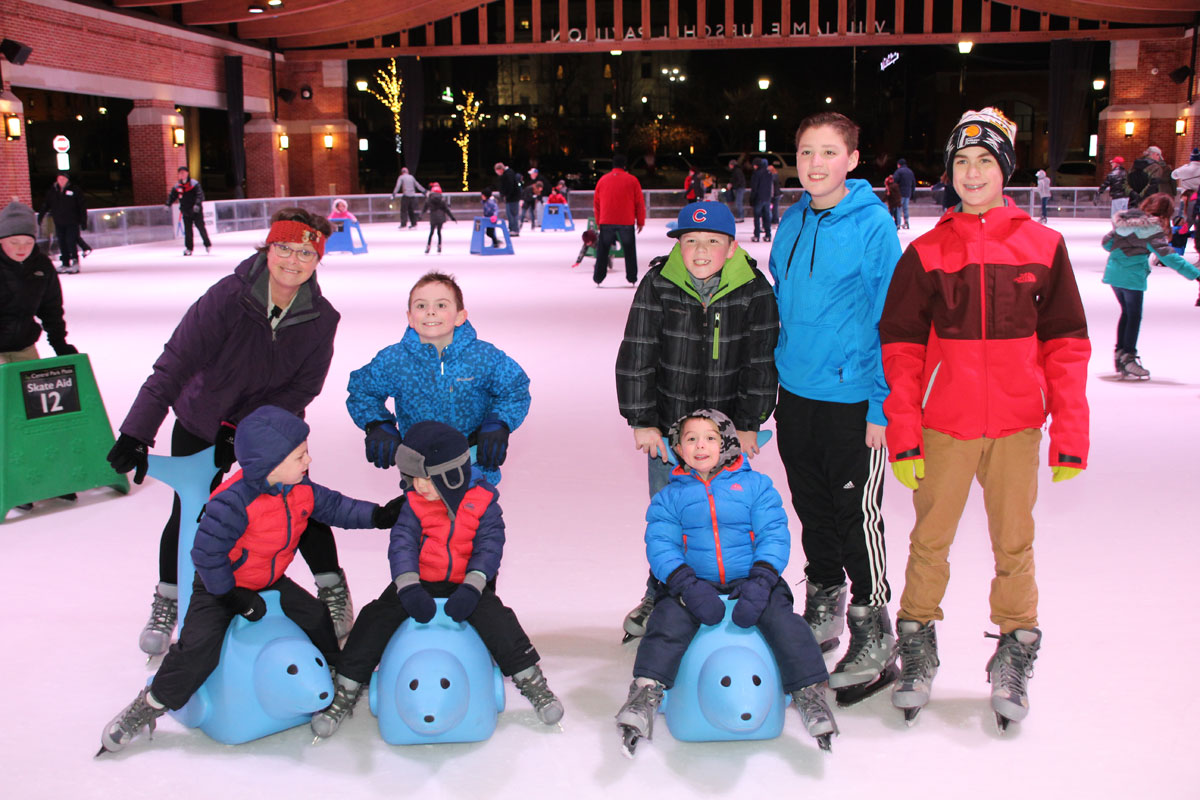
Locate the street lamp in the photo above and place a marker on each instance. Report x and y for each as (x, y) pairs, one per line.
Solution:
(1098, 84)
(764, 83)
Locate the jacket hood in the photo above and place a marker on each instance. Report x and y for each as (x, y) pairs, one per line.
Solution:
(1135, 222)
(859, 195)
(264, 439)
(463, 335)
(731, 449)
(736, 271)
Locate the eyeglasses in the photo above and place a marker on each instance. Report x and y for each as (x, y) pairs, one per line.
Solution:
(287, 251)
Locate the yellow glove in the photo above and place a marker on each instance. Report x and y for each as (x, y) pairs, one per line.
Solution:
(1064, 473)
(910, 471)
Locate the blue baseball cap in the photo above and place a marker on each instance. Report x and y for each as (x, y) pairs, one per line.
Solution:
(708, 216)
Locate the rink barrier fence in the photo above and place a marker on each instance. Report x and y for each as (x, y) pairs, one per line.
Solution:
(116, 227)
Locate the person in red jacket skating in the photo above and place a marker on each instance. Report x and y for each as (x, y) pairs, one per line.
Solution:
(619, 205)
(983, 336)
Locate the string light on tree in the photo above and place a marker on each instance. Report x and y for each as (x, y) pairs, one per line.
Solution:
(470, 120)
(392, 95)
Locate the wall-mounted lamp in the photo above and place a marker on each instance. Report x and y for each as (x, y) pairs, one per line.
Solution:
(1180, 126)
(764, 83)
(1098, 84)
(12, 127)
(361, 84)
(306, 92)
(177, 137)
(363, 145)
(283, 141)
(965, 47)
(1129, 129)
(256, 9)
(329, 141)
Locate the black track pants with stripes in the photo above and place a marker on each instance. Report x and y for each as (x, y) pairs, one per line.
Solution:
(836, 483)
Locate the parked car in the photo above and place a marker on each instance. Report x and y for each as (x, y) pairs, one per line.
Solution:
(784, 162)
(667, 172)
(1075, 173)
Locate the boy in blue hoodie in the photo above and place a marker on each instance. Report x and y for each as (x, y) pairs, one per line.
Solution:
(246, 540)
(832, 262)
(719, 528)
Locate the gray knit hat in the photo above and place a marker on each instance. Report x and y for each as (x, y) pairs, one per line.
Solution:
(17, 219)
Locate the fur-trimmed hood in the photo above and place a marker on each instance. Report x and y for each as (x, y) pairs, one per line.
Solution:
(1135, 233)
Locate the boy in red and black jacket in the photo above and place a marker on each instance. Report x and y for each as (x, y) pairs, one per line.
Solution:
(246, 540)
(984, 336)
(447, 542)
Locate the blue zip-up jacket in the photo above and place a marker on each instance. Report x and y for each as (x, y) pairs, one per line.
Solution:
(831, 270)
(470, 381)
(719, 527)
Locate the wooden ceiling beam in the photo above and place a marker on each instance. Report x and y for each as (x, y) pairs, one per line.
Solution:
(223, 12)
(383, 16)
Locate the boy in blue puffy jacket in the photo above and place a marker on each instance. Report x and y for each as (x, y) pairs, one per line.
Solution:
(440, 371)
(246, 540)
(720, 528)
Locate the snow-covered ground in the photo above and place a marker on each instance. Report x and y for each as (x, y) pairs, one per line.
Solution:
(1115, 550)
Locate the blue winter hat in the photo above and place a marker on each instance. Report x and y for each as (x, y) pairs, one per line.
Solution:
(265, 438)
(706, 216)
(437, 451)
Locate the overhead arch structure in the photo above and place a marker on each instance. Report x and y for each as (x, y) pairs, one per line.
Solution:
(340, 29)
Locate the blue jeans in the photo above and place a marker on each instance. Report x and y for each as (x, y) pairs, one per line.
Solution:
(1045, 205)
(904, 209)
(672, 627)
(659, 473)
(513, 212)
(1130, 322)
(738, 206)
(1120, 204)
(762, 214)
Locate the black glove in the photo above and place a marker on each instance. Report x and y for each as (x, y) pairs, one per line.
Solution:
(492, 443)
(382, 442)
(246, 602)
(699, 597)
(385, 516)
(64, 349)
(752, 594)
(461, 604)
(129, 453)
(417, 602)
(223, 456)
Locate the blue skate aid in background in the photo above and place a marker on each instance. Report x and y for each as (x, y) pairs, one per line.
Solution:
(271, 677)
(436, 683)
(728, 687)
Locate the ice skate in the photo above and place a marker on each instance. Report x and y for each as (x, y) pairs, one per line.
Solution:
(164, 611)
(426, 249)
(124, 727)
(1009, 671)
(187, 252)
(326, 722)
(635, 720)
(1118, 354)
(870, 661)
(333, 592)
(1131, 367)
(635, 621)
(825, 613)
(818, 717)
(917, 646)
(532, 684)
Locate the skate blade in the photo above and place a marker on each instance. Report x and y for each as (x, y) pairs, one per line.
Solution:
(910, 716)
(101, 751)
(628, 637)
(852, 695)
(629, 740)
(825, 742)
(1002, 723)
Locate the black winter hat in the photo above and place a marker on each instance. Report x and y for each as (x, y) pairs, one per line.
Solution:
(987, 128)
(437, 451)
(17, 219)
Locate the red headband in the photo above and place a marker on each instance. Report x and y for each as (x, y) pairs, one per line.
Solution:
(289, 231)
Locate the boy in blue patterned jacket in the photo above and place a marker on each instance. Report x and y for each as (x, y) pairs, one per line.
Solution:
(440, 371)
(447, 542)
(720, 528)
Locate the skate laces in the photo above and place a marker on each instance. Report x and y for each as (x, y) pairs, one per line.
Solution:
(344, 700)
(337, 598)
(1014, 659)
(821, 607)
(813, 706)
(917, 653)
(164, 611)
(646, 699)
(138, 715)
(536, 691)
(864, 634)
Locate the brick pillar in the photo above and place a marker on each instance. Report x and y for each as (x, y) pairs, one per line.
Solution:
(14, 155)
(152, 153)
(1141, 91)
(313, 170)
(266, 163)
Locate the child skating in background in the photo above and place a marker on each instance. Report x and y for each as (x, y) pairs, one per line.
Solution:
(246, 540)
(970, 393)
(719, 528)
(1137, 233)
(590, 238)
(431, 555)
(439, 208)
(490, 210)
(439, 371)
(701, 332)
(341, 210)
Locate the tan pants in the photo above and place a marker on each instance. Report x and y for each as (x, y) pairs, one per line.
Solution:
(28, 354)
(1007, 470)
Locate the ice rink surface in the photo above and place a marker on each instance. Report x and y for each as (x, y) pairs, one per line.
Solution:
(1115, 550)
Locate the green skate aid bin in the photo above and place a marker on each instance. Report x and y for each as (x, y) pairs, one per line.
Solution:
(54, 431)
(616, 251)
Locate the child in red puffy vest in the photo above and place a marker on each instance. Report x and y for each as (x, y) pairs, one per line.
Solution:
(245, 542)
(447, 542)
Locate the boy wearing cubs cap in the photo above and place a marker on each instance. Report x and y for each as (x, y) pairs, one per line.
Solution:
(701, 333)
(983, 337)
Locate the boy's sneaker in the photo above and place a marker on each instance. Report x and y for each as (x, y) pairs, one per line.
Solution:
(532, 684)
(816, 713)
(164, 612)
(125, 726)
(825, 613)
(334, 593)
(326, 722)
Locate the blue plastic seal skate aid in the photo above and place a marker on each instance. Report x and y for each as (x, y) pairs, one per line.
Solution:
(342, 240)
(271, 677)
(436, 683)
(728, 687)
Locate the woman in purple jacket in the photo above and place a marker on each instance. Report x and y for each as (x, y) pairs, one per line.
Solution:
(260, 336)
